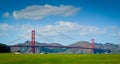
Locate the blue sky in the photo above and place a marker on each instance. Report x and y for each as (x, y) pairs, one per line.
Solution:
(60, 21)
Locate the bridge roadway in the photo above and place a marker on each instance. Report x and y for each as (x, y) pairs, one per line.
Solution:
(51, 46)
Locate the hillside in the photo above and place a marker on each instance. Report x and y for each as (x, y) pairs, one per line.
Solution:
(38, 49)
(99, 48)
(79, 44)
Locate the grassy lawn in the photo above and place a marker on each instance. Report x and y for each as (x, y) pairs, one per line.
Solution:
(59, 58)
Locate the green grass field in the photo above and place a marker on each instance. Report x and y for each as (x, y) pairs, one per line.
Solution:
(59, 58)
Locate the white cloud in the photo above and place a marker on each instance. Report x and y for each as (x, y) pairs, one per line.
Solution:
(115, 31)
(37, 12)
(6, 14)
(116, 34)
(3, 34)
(5, 26)
(57, 29)
(63, 27)
(25, 27)
(90, 30)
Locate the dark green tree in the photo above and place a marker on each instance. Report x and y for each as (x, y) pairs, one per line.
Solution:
(4, 48)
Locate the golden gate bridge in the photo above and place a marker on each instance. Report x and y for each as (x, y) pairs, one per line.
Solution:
(32, 45)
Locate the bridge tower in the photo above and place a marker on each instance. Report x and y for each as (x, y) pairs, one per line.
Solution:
(33, 41)
(92, 45)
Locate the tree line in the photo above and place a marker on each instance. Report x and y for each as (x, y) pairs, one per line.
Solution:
(4, 48)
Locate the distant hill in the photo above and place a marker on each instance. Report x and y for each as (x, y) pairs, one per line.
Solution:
(115, 48)
(38, 49)
(99, 48)
(79, 44)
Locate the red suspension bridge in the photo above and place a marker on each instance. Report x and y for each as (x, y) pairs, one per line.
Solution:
(32, 46)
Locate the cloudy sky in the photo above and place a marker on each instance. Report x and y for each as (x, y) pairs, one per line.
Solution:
(60, 21)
